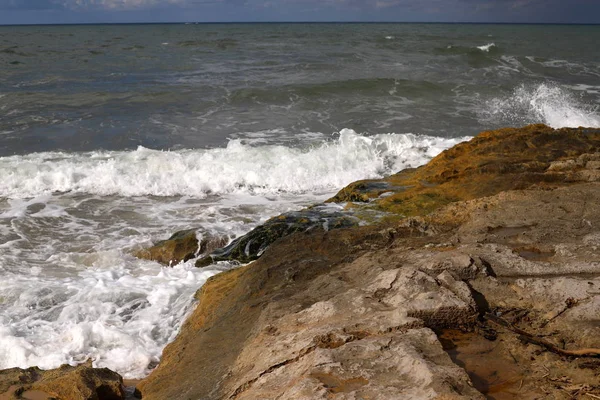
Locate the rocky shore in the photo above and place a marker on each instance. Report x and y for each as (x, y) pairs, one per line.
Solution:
(474, 276)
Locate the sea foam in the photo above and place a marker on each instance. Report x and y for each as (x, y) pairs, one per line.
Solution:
(237, 168)
(106, 313)
(545, 103)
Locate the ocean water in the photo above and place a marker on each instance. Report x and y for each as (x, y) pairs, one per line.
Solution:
(113, 137)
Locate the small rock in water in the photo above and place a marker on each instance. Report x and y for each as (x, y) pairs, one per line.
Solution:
(180, 247)
(250, 246)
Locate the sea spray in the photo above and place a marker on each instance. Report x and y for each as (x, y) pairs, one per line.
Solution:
(545, 103)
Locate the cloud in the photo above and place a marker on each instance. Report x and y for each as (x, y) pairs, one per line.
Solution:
(387, 3)
(119, 4)
(93, 4)
(363, 4)
(30, 4)
(414, 5)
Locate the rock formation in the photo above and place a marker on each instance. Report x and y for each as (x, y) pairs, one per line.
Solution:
(180, 247)
(65, 383)
(505, 225)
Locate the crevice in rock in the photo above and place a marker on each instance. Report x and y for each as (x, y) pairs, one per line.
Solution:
(481, 302)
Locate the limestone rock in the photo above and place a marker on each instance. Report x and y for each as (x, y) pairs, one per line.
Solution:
(65, 383)
(505, 223)
(492, 162)
(413, 366)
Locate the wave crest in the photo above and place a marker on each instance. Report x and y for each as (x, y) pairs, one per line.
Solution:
(544, 103)
(486, 47)
(239, 167)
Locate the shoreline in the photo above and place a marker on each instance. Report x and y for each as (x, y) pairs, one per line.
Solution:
(499, 224)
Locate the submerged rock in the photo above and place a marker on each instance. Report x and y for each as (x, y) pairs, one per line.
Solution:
(250, 246)
(65, 383)
(180, 247)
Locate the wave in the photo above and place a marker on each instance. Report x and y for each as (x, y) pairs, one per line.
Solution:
(476, 57)
(349, 87)
(221, 44)
(545, 103)
(486, 47)
(237, 168)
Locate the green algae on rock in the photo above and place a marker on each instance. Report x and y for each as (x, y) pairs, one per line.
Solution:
(251, 245)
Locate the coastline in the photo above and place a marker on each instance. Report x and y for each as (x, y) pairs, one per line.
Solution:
(499, 224)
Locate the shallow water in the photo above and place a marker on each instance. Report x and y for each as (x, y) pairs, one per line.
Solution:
(492, 373)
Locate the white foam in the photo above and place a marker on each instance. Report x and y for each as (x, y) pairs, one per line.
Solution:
(486, 47)
(237, 168)
(545, 103)
(105, 313)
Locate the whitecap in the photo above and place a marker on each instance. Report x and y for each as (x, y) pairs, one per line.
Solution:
(546, 103)
(108, 315)
(486, 47)
(236, 168)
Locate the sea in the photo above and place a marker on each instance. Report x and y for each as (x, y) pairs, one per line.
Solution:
(113, 137)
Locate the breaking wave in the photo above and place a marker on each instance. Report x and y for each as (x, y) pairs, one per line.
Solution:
(544, 103)
(237, 168)
(486, 47)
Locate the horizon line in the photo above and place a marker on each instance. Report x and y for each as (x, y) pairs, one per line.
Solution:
(299, 22)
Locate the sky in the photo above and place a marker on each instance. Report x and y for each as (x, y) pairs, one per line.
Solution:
(122, 11)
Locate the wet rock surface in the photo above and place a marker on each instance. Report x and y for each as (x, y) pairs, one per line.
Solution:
(251, 245)
(180, 247)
